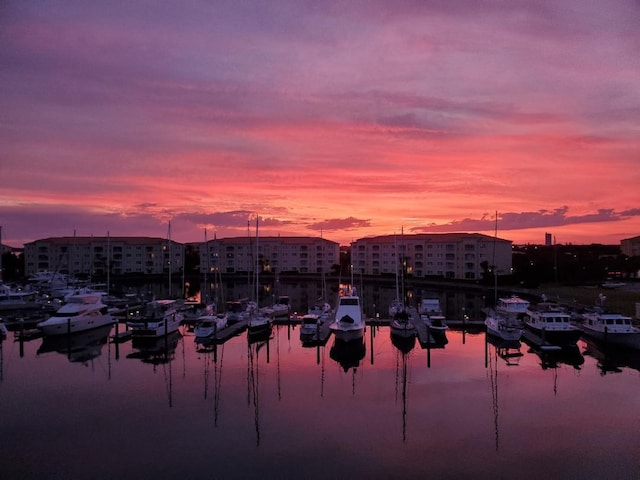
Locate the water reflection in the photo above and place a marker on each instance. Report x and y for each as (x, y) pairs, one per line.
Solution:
(404, 346)
(611, 359)
(509, 353)
(253, 379)
(212, 354)
(348, 353)
(80, 347)
(159, 352)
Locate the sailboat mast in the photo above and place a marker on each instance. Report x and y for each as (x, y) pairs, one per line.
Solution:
(206, 268)
(257, 261)
(1, 252)
(402, 264)
(169, 249)
(108, 261)
(395, 239)
(495, 270)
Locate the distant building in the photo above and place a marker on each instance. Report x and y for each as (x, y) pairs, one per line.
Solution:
(275, 254)
(448, 255)
(548, 241)
(87, 256)
(630, 246)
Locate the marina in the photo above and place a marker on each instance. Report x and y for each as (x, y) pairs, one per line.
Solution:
(278, 405)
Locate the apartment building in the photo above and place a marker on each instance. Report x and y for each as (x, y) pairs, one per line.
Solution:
(87, 256)
(274, 254)
(630, 246)
(448, 255)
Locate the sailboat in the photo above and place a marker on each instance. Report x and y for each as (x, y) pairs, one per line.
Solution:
(260, 322)
(499, 322)
(160, 317)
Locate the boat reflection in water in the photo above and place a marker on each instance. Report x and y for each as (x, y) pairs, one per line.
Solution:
(80, 347)
(554, 358)
(158, 351)
(348, 353)
(253, 379)
(404, 346)
(509, 352)
(611, 358)
(212, 354)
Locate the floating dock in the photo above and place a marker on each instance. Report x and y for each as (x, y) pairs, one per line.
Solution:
(538, 341)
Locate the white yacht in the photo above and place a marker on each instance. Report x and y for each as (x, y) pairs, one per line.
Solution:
(611, 328)
(349, 322)
(310, 326)
(431, 314)
(80, 312)
(209, 325)
(282, 307)
(502, 326)
(512, 307)
(161, 317)
(551, 323)
(18, 299)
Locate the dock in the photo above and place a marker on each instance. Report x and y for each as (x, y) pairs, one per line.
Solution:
(539, 342)
(229, 331)
(425, 337)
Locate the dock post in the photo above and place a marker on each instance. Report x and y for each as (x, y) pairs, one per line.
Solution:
(428, 346)
(69, 338)
(486, 349)
(371, 346)
(21, 322)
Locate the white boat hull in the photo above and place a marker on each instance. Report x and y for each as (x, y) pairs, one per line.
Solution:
(154, 328)
(631, 340)
(503, 330)
(348, 335)
(63, 326)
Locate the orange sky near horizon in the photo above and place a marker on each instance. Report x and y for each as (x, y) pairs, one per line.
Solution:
(343, 120)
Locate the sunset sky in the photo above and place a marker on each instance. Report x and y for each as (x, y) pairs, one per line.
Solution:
(342, 118)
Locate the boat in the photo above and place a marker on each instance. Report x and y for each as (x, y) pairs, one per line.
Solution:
(260, 321)
(611, 328)
(401, 325)
(512, 307)
(16, 299)
(310, 327)
(79, 313)
(208, 326)
(321, 308)
(161, 317)
(502, 320)
(403, 344)
(281, 307)
(502, 326)
(397, 306)
(236, 311)
(552, 324)
(348, 322)
(431, 314)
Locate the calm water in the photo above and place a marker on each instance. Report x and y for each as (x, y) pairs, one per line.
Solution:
(278, 410)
